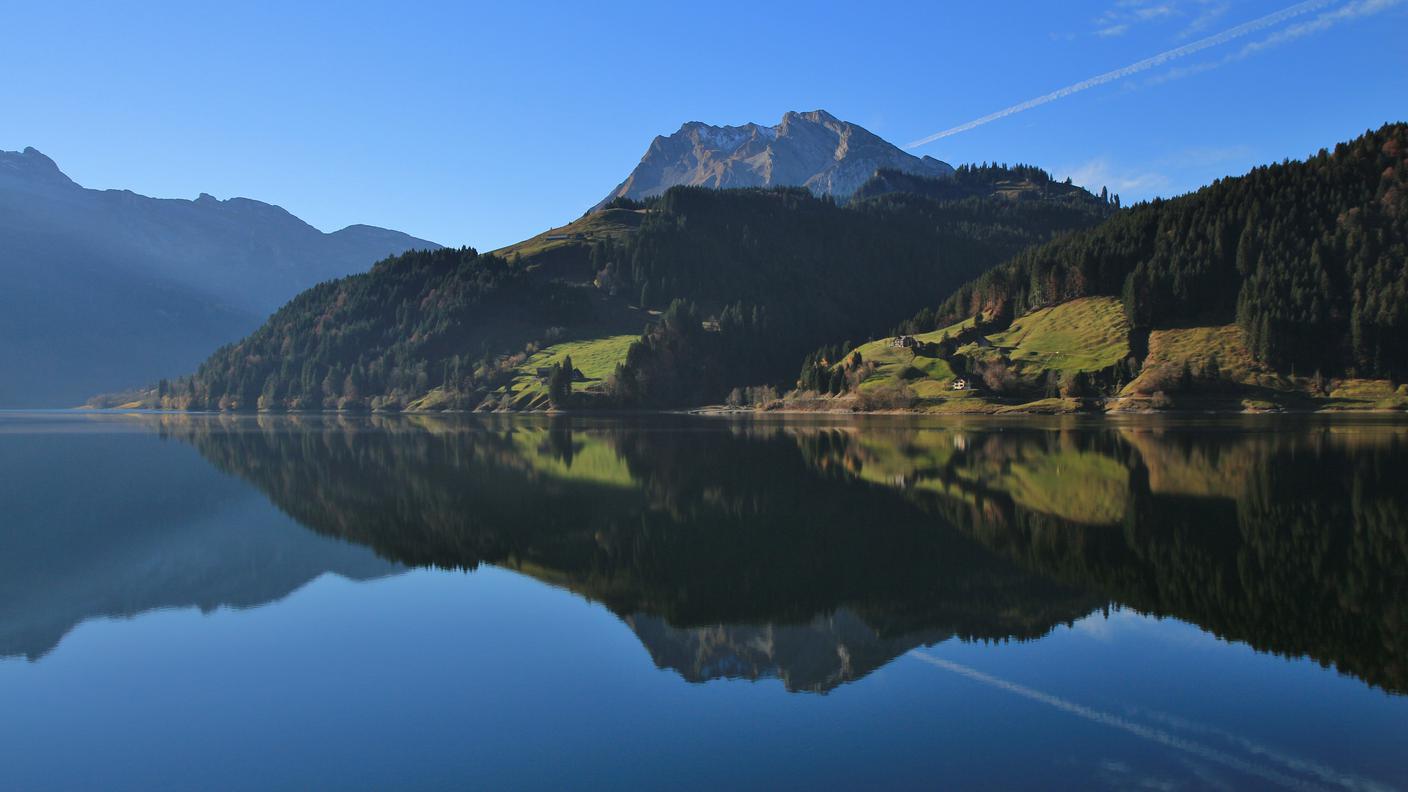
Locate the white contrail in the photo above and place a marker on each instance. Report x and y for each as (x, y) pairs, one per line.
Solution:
(1356, 9)
(1225, 36)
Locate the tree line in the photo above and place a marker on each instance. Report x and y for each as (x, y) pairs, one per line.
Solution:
(1308, 258)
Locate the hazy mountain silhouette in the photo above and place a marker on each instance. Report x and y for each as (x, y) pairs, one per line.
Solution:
(105, 289)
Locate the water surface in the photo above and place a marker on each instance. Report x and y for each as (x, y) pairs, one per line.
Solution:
(193, 601)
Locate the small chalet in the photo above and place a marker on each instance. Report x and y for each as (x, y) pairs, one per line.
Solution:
(960, 384)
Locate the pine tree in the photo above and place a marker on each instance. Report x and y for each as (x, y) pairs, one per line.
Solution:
(560, 379)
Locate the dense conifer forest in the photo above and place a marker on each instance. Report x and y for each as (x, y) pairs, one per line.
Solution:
(1307, 257)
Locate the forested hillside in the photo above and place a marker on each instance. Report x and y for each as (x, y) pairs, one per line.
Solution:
(759, 276)
(1308, 258)
(424, 319)
(1016, 182)
(782, 270)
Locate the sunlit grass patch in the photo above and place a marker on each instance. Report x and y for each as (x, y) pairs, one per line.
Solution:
(596, 357)
(1089, 334)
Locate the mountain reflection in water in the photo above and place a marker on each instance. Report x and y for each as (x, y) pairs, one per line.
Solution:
(99, 525)
(818, 552)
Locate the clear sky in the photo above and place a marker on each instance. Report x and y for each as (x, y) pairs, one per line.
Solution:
(484, 124)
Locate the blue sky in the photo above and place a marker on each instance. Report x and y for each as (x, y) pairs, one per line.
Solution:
(485, 124)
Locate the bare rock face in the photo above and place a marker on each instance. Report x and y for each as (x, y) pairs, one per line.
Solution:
(813, 150)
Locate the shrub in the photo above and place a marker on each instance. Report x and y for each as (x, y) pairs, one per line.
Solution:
(1156, 380)
(891, 398)
(855, 375)
(1075, 385)
(998, 376)
(762, 395)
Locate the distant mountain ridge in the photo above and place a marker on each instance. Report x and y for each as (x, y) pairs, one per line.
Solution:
(105, 289)
(815, 150)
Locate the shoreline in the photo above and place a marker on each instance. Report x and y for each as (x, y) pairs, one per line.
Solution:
(987, 409)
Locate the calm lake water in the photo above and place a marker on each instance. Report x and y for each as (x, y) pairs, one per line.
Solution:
(207, 602)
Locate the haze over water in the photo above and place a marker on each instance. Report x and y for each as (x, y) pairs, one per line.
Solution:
(364, 602)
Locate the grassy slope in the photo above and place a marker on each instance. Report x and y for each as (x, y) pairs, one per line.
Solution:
(891, 361)
(1196, 348)
(595, 226)
(1379, 394)
(596, 357)
(1091, 334)
(1088, 334)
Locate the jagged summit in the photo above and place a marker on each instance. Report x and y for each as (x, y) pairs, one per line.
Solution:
(815, 150)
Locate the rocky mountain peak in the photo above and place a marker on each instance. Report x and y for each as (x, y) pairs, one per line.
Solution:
(812, 149)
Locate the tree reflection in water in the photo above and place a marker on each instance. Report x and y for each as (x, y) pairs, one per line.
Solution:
(817, 552)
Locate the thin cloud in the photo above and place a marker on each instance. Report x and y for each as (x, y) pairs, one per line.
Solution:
(1127, 13)
(1231, 34)
(1155, 177)
(1355, 10)
(1098, 173)
(1324, 21)
(1211, 12)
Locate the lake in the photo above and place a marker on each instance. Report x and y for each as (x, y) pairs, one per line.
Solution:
(296, 602)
